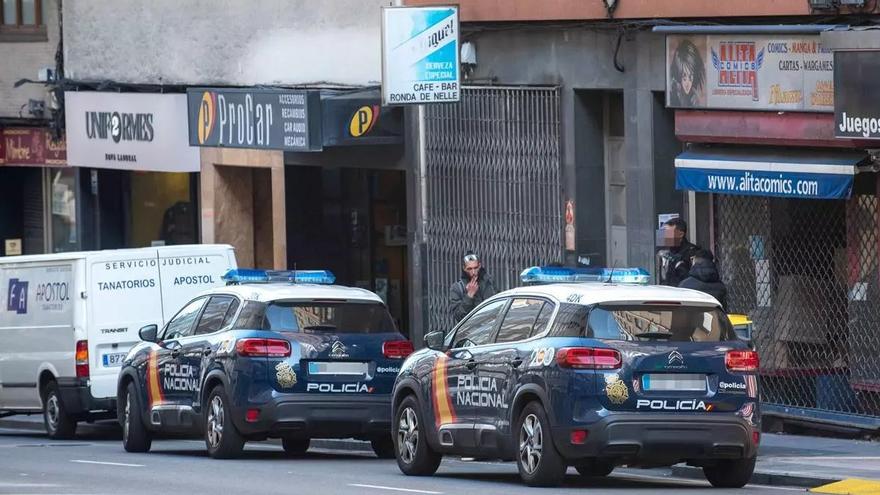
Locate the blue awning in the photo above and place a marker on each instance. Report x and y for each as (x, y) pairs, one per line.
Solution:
(812, 174)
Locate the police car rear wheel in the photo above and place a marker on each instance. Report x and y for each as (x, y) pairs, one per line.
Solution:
(594, 467)
(135, 436)
(730, 474)
(295, 446)
(221, 437)
(414, 455)
(538, 460)
(59, 425)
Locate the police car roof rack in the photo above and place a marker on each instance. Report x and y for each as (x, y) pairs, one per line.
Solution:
(538, 275)
(239, 276)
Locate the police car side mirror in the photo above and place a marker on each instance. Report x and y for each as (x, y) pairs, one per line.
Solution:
(434, 340)
(148, 333)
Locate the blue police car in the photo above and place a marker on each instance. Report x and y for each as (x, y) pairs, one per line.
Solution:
(271, 355)
(590, 375)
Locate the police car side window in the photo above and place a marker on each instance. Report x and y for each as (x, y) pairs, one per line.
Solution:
(519, 320)
(182, 323)
(477, 330)
(230, 313)
(214, 314)
(543, 319)
(570, 321)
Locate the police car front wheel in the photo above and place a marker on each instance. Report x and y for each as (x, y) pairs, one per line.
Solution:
(414, 456)
(539, 463)
(135, 436)
(221, 437)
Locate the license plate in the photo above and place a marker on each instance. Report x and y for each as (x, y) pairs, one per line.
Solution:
(674, 382)
(337, 368)
(114, 359)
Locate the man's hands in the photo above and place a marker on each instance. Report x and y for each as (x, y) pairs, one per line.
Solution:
(472, 287)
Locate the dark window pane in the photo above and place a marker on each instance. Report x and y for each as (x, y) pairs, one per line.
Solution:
(251, 316)
(213, 315)
(543, 319)
(335, 317)
(519, 320)
(9, 13)
(230, 313)
(182, 323)
(28, 12)
(477, 330)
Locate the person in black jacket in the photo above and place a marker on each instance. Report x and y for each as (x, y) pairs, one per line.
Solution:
(704, 277)
(474, 287)
(674, 260)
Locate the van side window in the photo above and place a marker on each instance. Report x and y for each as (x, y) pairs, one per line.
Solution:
(214, 314)
(182, 324)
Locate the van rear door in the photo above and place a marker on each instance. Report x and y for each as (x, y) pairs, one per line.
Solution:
(185, 271)
(123, 296)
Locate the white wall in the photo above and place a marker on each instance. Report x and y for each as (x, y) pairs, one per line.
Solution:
(224, 42)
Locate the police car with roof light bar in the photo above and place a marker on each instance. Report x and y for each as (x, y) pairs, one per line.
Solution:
(271, 355)
(586, 374)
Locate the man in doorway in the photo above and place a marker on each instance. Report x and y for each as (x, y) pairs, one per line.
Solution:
(704, 277)
(674, 259)
(474, 287)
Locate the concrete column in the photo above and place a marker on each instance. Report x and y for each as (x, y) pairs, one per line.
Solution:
(243, 204)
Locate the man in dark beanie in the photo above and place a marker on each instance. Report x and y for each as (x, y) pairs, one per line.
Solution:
(704, 277)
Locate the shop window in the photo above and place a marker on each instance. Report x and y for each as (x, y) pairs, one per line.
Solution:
(162, 210)
(22, 20)
(62, 184)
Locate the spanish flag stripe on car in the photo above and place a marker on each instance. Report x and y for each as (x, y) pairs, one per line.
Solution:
(443, 411)
(154, 391)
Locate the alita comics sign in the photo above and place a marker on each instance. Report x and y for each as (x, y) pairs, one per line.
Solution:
(751, 73)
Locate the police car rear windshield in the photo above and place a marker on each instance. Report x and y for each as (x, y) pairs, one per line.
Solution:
(671, 323)
(317, 317)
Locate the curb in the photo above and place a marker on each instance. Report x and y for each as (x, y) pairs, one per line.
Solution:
(762, 477)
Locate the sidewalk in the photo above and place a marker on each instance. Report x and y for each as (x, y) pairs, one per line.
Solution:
(785, 460)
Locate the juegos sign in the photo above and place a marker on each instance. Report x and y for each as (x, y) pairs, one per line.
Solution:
(856, 107)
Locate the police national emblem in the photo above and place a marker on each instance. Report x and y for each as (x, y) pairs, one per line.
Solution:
(285, 375)
(616, 389)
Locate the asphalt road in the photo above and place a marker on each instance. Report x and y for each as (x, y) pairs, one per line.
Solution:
(95, 463)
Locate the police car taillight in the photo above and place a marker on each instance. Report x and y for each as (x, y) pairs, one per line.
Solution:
(82, 359)
(397, 349)
(588, 358)
(262, 347)
(741, 361)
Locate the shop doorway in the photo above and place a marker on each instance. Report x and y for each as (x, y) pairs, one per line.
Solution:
(352, 222)
(21, 217)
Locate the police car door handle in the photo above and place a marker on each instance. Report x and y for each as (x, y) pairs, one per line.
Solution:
(471, 364)
(208, 351)
(516, 362)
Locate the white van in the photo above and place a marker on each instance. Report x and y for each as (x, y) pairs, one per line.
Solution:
(69, 319)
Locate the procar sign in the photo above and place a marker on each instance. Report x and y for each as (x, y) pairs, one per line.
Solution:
(277, 119)
(856, 108)
(420, 55)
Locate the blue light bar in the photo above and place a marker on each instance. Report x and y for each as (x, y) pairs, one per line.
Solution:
(249, 275)
(557, 274)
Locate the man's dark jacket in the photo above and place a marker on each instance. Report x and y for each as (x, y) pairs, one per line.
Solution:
(704, 278)
(679, 263)
(458, 297)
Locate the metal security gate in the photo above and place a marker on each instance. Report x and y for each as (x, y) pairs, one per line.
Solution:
(492, 185)
(806, 273)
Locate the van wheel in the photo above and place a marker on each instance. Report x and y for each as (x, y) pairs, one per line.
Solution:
(594, 468)
(414, 455)
(383, 447)
(135, 436)
(59, 425)
(222, 438)
(730, 474)
(295, 446)
(538, 460)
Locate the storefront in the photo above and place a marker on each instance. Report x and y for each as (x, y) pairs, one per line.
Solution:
(310, 180)
(790, 211)
(31, 161)
(134, 179)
